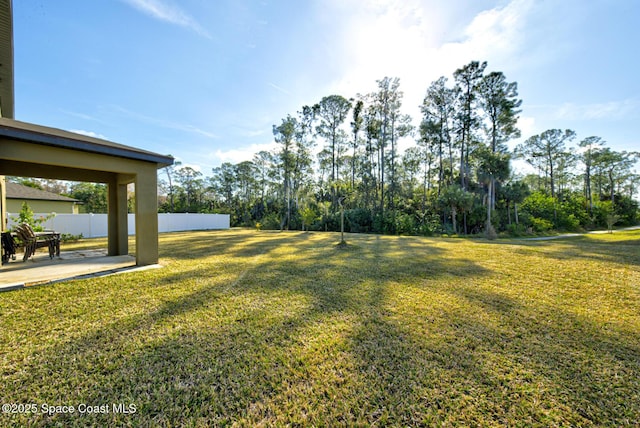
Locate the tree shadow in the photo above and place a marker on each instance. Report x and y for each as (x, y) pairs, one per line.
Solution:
(309, 334)
(244, 243)
(222, 351)
(580, 366)
(621, 252)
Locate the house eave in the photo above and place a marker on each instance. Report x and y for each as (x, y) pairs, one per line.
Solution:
(28, 132)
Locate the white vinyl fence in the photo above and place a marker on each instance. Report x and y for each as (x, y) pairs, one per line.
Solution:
(95, 225)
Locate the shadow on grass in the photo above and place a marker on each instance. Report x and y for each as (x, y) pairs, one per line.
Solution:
(586, 372)
(305, 333)
(244, 243)
(621, 251)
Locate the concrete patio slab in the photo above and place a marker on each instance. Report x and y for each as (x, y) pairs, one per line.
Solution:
(70, 265)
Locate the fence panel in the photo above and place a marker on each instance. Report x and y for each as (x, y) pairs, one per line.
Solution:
(95, 225)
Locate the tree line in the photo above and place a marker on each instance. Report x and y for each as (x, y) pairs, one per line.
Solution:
(456, 175)
(366, 160)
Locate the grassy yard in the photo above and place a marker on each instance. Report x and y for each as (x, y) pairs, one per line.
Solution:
(263, 328)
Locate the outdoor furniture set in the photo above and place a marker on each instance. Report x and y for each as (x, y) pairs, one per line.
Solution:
(30, 241)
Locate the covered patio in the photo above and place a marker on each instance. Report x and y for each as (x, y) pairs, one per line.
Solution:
(31, 150)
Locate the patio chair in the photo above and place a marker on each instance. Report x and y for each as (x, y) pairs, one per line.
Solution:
(32, 241)
(9, 247)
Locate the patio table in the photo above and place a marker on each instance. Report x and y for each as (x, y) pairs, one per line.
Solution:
(54, 237)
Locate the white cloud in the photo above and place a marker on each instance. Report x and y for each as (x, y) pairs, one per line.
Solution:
(83, 116)
(527, 126)
(279, 88)
(88, 133)
(497, 32)
(596, 111)
(191, 128)
(193, 166)
(185, 127)
(404, 39)
(251, 133)
(164, 11)
(242, 153)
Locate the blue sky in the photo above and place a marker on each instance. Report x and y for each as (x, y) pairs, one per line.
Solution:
(206, 80)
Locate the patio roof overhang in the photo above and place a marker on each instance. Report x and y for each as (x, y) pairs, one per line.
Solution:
(32, 150)
(52, 137)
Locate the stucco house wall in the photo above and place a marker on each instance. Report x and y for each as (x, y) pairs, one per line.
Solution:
(15, 205)
(39, 201)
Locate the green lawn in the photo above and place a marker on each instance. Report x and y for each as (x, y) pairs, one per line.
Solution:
(264, 328)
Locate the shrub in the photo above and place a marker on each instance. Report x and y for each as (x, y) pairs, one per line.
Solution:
(576, 205)
(429, 225)
(627, 209)
(476, 219)
(308, 216)
(68, 237)
(541, 224)
(611, 220)
(26, 216)
(570, 222)
(271, 222)
(405, 224)
(568, 215)
(516, 229)
(540, 205)
(490, 232)
(358, 220)
(331, 222)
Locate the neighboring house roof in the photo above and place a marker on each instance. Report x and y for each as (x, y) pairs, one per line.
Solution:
(18, 191)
